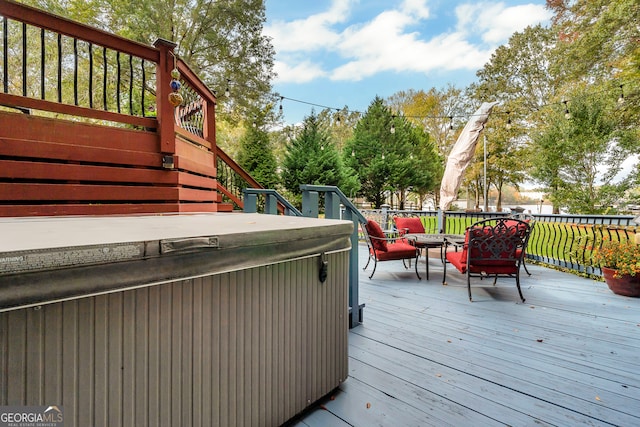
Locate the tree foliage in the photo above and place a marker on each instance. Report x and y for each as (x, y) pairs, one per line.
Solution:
(221, 40)
(256, 155)
(312, 158)
(390, 161)
(572, 152)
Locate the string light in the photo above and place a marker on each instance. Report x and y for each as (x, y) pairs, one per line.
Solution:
(567, 114)
(227, 92)
(393, 127)
(621, 100)
(621, 97)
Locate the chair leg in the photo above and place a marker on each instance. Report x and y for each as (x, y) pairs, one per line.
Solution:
(426, 261)
(444, 274)
(375, 264)
(524, 264)
(418, 274)
(469, 284)
(518, 286)
(367, 264)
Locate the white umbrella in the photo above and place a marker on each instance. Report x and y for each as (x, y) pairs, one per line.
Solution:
(462, 154)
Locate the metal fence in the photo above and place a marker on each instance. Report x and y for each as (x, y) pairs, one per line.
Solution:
(564, 241)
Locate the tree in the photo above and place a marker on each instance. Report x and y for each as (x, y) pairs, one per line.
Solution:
(256, 156)
(598, 45)
(573, 150)
(437, 112)
(311, 158)
(385, 152)
(519, 75)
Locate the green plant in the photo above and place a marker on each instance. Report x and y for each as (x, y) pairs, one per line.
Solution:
(622, 256)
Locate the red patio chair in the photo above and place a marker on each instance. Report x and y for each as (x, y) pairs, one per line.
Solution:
(382, 248)
(493, 247)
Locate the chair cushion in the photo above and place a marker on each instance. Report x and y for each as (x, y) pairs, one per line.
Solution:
(411, 225)
(374, 230)
(496, 266)
(397, 250)
(490, 267)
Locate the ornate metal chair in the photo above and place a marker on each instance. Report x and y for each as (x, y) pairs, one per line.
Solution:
(493, 247)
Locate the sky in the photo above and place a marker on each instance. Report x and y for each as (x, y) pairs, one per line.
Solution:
(337, 53)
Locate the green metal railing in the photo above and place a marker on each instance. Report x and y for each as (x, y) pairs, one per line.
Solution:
(565, 241)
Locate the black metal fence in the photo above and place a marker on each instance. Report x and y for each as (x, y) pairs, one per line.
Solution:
(564, 241)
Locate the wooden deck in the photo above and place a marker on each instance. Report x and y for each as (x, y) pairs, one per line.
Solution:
(426, 356)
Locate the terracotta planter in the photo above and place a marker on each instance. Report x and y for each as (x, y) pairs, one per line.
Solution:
(628, 286)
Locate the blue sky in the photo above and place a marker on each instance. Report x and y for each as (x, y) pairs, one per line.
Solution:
(338, 53)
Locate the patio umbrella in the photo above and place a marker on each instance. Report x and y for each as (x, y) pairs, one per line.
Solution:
(462, 154)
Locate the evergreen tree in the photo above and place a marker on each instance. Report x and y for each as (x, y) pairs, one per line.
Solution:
(311, 158)
(387, 153)
(256, 156)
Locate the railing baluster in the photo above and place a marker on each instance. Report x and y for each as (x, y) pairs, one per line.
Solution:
(42, 64)
(24, 59)
(144, 85)
(104, 80)
(75, 71)
(131, 85)
(118, 100)
(5, 55)
(60, 68)
(90, 75)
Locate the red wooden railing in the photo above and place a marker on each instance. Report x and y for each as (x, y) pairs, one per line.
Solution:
(117, 145)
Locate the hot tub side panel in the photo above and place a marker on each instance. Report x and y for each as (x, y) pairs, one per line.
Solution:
(251, 347)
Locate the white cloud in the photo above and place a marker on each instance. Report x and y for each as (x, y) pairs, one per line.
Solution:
(390, 41)
(495, 22)
(301, 72)
(312, 33)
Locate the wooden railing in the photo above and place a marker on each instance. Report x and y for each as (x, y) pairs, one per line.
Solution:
(59, 80)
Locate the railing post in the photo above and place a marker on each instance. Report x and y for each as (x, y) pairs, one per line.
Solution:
(270, 204)
(355, 316)
(250, 203)
(310, 202)
(331, 205)
(165, 113)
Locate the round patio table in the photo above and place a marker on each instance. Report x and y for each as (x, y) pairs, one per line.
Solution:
(429, 241)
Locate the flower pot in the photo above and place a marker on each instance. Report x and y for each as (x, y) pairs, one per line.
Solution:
(628, 286)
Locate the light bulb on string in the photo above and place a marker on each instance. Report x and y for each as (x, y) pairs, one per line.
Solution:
(280, 108)
(450, 122)
(621, 97)
(227, 92)
(508, 120)
(393, 127)
(567, 114)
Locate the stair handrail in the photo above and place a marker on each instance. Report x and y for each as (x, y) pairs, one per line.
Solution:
(273, 200)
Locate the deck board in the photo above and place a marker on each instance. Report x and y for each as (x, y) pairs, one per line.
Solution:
(425, 355)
